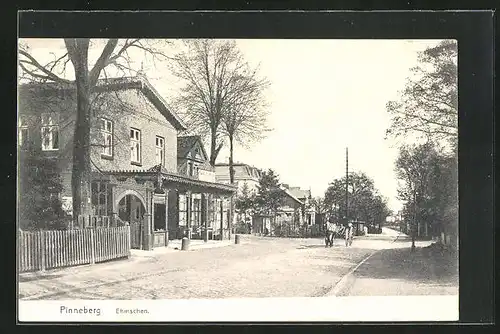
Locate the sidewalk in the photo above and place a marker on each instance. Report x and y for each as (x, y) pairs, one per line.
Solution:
(175, 246)
(136, 256)
(400, 272)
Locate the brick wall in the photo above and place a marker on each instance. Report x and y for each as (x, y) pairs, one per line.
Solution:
(31, 105)
(133, 110)
(126, 109)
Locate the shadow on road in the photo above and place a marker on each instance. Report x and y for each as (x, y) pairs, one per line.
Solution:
(310, 246)
(36, 277)
(424, 266)
(319, 246)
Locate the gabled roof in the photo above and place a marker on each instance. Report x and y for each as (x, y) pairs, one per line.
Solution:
(158, 169)
(116, 84)
(186, 143)
(241, 171)
(299, 193)
(286, 191)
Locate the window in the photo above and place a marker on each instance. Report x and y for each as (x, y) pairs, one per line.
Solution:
(107, 137)
(182, 210)
(135, 146)
(101, 194)
(211, 212)
(192, 169)
(50, 132)
(218, 212)
(196, 211)
(160, 151)
(23, 133)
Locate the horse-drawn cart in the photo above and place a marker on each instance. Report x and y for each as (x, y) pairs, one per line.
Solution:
(337, 231)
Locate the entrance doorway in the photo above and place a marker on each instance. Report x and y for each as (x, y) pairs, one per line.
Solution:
(131, 210)
(160, 217)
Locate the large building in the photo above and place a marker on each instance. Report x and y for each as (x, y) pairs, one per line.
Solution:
(143, 173)
(243, 174)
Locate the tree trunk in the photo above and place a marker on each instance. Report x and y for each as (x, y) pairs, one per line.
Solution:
(231, 215)
(231, 167)
(214, 148)
(81, 171)
(231, 171)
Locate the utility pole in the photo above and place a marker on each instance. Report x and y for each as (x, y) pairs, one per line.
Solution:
(347, 185)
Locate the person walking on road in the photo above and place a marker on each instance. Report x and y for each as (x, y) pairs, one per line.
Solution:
(349, 234)
(329, 234)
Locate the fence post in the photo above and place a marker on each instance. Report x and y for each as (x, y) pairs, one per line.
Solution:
(129, 237)
(42, 251)
(92, 246)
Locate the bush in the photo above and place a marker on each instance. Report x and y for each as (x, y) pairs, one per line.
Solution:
(241, 228)
(39, 189)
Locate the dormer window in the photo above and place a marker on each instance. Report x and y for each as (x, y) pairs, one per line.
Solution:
(192, 169)
(50, 132)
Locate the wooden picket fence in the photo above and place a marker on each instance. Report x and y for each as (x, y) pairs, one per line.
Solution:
(42, 250)
(85, 221)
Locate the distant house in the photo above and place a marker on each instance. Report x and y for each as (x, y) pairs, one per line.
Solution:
(305, 197)
(292, 214)
(138, 175)
(289, 214)
(243, 174)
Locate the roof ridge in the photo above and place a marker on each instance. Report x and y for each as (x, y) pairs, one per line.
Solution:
(145, 86)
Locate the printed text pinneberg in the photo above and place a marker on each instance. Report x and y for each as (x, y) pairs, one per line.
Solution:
(79, 310)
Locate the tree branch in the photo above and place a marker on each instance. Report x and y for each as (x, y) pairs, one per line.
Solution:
(48, 74)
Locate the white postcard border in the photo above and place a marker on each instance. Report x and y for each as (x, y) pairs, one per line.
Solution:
(321, 309)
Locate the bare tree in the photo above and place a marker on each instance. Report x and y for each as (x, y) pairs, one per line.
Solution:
(115, 53)
(215, 76)
(244, 120)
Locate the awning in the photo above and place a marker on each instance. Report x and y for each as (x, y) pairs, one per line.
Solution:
(166, 180)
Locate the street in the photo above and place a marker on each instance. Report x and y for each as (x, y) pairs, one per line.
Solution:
(258, 267)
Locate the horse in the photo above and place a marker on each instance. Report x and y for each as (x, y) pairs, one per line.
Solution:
(332, 231)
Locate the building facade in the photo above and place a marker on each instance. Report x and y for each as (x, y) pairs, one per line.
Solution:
(243, 174)
(137, 176)
(305, 197)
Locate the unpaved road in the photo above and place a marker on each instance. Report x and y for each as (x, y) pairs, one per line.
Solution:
(258, 267)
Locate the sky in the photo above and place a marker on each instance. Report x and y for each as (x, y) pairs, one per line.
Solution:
(325, 95)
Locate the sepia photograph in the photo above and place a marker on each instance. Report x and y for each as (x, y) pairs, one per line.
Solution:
(203, 171)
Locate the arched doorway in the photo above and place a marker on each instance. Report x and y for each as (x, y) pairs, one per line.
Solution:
(131, 210)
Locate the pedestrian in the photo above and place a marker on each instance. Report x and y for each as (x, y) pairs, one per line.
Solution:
(331, 229)
(348, 235)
